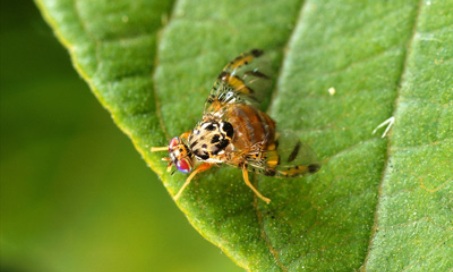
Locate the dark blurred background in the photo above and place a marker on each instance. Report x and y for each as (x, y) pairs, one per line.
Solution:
(75, 195)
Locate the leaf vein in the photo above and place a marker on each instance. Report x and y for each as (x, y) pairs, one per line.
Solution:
(92, 38)
(274, 94)
(411, 264)
(387, 166)
(156, 97)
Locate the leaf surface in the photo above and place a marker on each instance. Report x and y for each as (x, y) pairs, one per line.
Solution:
(344, 67)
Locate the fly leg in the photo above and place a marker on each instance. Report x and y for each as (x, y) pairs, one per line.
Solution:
(298, 170)
(245, 175)
(201, 168)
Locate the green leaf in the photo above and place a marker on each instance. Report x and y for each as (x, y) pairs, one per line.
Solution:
(376, 203)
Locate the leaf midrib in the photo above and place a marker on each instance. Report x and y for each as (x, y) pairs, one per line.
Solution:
(386, 169)
(267, 241)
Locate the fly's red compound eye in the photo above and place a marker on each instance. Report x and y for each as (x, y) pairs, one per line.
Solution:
(184, 166)
(173, 143)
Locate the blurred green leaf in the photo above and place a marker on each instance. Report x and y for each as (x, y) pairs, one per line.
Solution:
(376, 203)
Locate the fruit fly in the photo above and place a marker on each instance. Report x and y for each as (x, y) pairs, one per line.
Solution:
(234, 131)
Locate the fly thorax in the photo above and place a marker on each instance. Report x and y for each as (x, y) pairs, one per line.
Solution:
(209, 139)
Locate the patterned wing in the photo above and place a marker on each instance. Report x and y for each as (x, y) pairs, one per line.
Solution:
(244, 80)
(289, 157)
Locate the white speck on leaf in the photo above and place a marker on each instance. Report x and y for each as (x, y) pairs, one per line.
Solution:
(389, 123)
(331, 90)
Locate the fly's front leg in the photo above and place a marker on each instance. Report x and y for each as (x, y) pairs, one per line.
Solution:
(201, 168)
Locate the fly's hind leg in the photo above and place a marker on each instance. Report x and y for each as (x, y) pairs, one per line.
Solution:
(245, 175)
(298, 170)
(203, 167)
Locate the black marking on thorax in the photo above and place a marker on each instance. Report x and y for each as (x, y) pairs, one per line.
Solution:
(210, 138)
